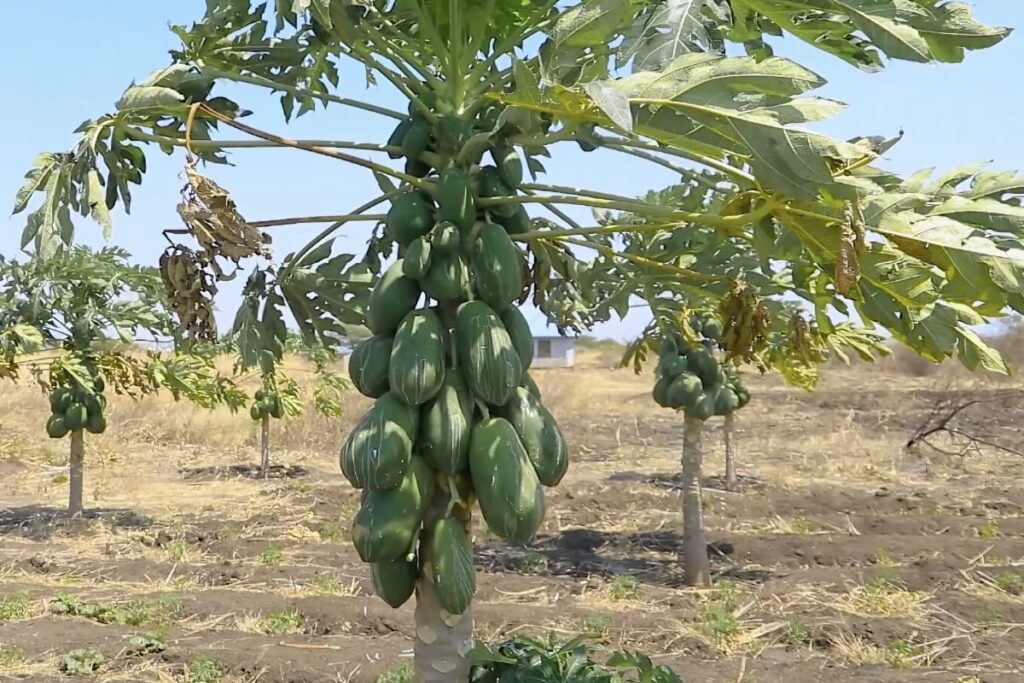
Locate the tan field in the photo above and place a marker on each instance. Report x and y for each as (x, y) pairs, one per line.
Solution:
(844, 556)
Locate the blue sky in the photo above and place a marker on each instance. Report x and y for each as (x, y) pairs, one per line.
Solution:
(89, 51)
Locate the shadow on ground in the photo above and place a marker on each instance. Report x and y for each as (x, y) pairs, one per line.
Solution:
(40, 522)
(246, 471)
(582, 553)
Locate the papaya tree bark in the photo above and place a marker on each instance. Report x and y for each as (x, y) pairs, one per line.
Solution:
(695, 552)
(730, 453)
(265, 447)
(76, 472)
(443, 641)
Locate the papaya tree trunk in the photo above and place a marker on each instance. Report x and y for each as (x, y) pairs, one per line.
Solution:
(443, 641)
(730, 454)
(76, 466)
(265, 447)
(695, 552)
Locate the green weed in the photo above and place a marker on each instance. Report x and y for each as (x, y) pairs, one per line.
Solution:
(15, 607)
(532, 563)
(597, 625)
(402, 673)
(797, 632)
(625, 588)
(325, 583)
(10, 658)
(146, 644)
(81, 662)
(159, 611)
(1010, 582)
(204, 670)
(903, 654)
(283, 623)
(990, 529)
(332, 531)
(719, 622)
(271, 557)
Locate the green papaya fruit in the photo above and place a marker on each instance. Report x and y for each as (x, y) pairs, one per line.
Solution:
(516, 223)
(445, 425)
(488, 361)
(712, 329)
(61, 399)
(416, 261)
(397, 139)
(508, 490)
(75, 416)
(448, 278)
(493, 187)
(417, 367)
(416, 140)
(391, 300)
(385, 526)
(497, 270)
(539, 433)
(446, 238)
(660, 392)
(411, 215)
(704, 408)
(394, 581)
(684, 391)
(530, 385)
(96, 424)
(368, 365)
(451, 560)
(56, 427)
(256, 411)
(509, 163)
(455, 200)
(378, 450)
(519, 332)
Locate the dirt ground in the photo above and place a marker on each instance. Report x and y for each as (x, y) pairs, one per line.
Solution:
(843, 557)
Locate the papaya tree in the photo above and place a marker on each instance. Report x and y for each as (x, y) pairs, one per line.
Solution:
(260, 340)
(69, 312)
(493, 88)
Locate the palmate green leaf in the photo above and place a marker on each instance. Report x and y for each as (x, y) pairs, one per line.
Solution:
(144, 97)
(974, 353)
(861, 31)
(590, 23)
(668, 29)
(984, 212)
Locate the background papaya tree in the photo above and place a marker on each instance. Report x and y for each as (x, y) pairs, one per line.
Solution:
(261, 339)
(74, 317)
(646, 79)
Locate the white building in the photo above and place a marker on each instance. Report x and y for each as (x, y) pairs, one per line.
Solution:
(554, 352)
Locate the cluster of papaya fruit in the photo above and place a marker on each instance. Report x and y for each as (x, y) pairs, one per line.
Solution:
(457, 418)
(690, 377)
(75, 408)
(267, 404)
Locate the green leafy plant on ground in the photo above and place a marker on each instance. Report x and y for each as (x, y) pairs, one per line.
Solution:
(204, 669)
(82, 662)
(271, 556)
(10, 658)
(159, 611)
(531, 660)
(624, 588)
(146, 644)
(402, 673)
(282, 623)
(14, 607)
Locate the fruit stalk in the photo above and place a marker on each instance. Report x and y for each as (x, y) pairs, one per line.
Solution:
(695, 554)
(443, 641)
(76, 466)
